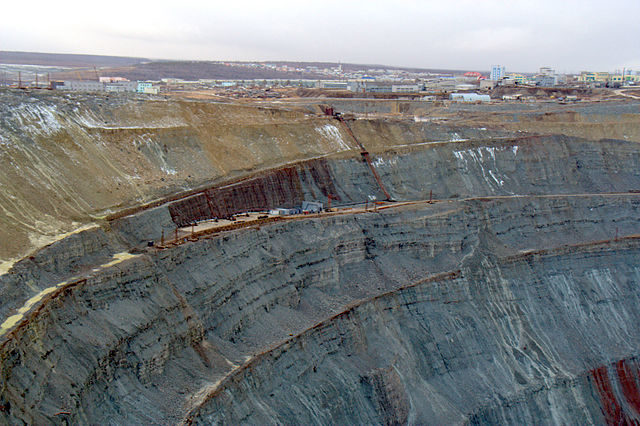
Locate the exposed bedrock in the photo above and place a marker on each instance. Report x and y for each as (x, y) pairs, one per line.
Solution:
(148, 339)
(527, 339)
(527, 165)
(616, 120)
(69, 160)
(513, 298)
(520, 166)
(515, 166)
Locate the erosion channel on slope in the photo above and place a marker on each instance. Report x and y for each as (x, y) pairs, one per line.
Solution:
(499, 284)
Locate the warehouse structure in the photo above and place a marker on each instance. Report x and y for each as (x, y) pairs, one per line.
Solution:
(469, 97)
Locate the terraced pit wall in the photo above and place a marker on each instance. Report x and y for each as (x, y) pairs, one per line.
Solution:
(147, 340)
(277, 188)
(511, 300)
(518, 166)
(525, 166)
(497, 342)
(70, 160)
(529, 165)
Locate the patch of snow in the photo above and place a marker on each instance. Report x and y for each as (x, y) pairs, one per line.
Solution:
(498, 181)
(331, 132)
(4, 142)
(91, 121)
(37, 119)
(484, 159)
(153, 149)
(378, 162)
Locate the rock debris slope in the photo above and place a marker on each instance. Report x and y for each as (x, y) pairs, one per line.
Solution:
(512, 298)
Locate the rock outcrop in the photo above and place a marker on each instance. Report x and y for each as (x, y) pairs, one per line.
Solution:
(511, 298)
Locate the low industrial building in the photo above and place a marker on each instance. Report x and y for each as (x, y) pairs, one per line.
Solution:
(284, 212)
(146, 87)
(487, 84)
(516, 97)
(469, 97)
(405, 88)
(82, 86)
(329, 84)
(312, 206)
(108, 85)
(372, 86)
(466, 86)
(369, 87)
(307, 207)
(121, 86)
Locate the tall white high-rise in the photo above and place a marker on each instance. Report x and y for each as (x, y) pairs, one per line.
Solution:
(497, 72)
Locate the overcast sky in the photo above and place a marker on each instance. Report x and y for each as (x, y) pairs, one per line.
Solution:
(459, 34)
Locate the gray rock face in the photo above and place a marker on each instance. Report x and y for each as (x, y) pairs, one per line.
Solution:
(148, 339)
(507, 340)
(531, 165)
(512, 299)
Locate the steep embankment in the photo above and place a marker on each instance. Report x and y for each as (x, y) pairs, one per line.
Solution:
(149, 338)
(589, 120)
(69, 159)
(511, 299)
(612, 121)
(504, 340)
(446, 170)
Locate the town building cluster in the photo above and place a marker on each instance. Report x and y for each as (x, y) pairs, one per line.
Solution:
(368, 80)
(106, 84)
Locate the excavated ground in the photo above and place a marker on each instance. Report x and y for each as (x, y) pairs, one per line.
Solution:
(511, 298)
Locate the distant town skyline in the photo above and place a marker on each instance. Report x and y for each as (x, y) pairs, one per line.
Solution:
(569, 36)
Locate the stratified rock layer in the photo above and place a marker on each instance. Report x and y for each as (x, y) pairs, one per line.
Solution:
(505, 340)
(147, 340)
(513, 298)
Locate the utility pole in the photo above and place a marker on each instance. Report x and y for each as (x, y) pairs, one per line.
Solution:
(331, 197)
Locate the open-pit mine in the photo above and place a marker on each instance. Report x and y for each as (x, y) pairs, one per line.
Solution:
(163, 261)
